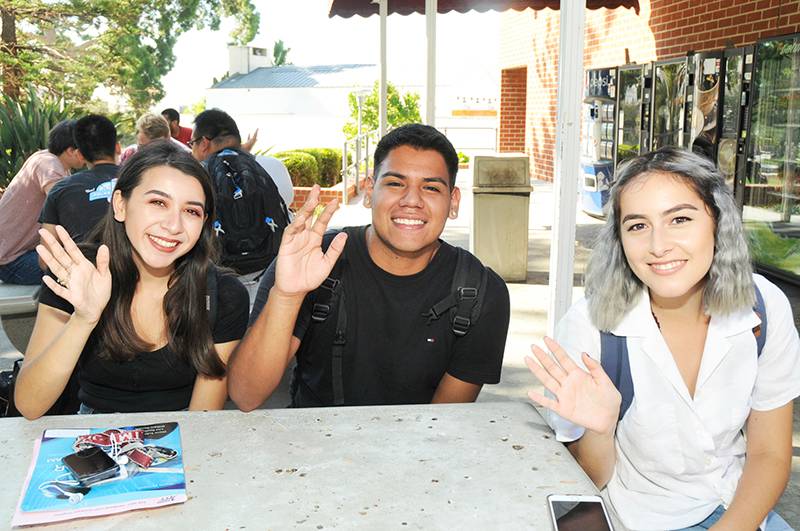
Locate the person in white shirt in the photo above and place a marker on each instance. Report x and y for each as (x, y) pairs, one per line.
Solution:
(671, 275)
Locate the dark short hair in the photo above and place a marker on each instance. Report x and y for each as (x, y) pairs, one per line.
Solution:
(96, 137)
(419, 136)
(171, 115)
(215, 124)
(61, 137)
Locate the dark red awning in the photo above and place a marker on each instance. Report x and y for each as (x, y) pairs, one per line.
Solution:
(365, 8)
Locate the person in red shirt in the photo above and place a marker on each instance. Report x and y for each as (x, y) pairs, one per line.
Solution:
(179, 133)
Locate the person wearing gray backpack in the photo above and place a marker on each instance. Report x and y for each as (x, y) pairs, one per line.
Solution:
(672, 382)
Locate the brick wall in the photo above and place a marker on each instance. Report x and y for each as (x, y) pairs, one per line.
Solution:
(325, 194)
(662, 29)
(513, 91)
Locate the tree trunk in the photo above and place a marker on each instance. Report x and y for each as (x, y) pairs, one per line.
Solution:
(8, 44)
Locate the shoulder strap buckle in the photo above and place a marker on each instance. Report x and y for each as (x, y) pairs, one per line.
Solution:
(467, 293)
(330, 284)
(320, 312)
(461, 325)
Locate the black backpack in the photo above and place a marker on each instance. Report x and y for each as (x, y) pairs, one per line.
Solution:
(251, 215)
(462, 306)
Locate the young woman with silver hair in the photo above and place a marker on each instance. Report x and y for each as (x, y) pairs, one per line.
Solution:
(670, 277)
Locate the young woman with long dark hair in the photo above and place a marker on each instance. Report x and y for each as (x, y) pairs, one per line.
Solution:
(670, 277)
(131, 308)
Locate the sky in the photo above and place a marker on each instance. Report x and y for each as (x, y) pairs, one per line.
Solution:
(467, 47)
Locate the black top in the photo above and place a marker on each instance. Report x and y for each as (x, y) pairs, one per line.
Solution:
(153, 381)
(392, 355)
(80, 201)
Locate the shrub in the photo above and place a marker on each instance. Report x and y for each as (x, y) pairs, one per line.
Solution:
(329, 162)
(24, 125)
(302, 167)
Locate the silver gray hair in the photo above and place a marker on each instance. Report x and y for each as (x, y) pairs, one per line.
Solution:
(612, 289)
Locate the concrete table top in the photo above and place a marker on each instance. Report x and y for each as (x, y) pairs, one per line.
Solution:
(459, 466)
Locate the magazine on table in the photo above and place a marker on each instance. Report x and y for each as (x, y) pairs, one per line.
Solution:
(82, 472)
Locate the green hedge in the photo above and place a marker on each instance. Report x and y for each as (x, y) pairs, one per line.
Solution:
(302, 167)
(325, 168)
(329, 162)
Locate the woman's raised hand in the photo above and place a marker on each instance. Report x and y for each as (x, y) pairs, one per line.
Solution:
(301, 265)
(588, 399)
(86, 286)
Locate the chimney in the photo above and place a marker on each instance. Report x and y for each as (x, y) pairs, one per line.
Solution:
(244, 59)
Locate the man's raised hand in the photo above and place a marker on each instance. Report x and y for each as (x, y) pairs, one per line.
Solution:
(301, 265)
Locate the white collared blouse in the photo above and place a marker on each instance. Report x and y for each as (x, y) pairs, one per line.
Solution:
(678, 457)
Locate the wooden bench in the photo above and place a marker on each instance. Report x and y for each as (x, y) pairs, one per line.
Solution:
(18, 312)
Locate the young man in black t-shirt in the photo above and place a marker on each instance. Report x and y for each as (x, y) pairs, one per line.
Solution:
(393, 272)
(81, 200)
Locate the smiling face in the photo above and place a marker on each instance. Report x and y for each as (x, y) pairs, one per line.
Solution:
(163, 217)
(411, 200)
(667, 233)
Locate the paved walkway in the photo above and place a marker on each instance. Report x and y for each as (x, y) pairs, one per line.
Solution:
(529, 303)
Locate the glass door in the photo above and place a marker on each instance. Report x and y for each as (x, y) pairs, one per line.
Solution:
(703, 123)
(737, 77)
(629, 113)
(669, 100)
(771, 209)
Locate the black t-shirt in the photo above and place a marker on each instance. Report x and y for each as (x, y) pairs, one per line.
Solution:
(153, 381)
(392, 355)
(81, 200)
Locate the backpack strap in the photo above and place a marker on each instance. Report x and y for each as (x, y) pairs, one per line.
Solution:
(327, 294)
(760, 331)
(615, 362)
(329, 297)
(337, 353)
(211, 295)
(467, 292)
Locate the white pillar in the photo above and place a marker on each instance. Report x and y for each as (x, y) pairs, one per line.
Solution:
(431, 7)
(567, 160)
(383, 11)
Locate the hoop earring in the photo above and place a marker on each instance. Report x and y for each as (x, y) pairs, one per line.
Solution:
(367, 201)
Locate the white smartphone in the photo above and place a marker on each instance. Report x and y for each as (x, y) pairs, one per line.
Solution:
(578, 512)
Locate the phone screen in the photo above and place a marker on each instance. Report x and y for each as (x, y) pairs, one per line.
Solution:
(579, 516)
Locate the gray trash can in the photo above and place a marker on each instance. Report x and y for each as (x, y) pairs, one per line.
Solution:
(501, 198)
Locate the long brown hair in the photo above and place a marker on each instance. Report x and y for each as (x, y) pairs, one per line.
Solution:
(188, 328)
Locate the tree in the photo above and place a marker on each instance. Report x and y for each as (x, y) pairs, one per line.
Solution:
(279, 53)
(400, 109)
(69, 47)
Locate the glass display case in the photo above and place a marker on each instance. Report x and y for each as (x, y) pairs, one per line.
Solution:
(771, 204)
(670, 80)
(632, 117)
(731, 157)
(598, 131)
(703, 104)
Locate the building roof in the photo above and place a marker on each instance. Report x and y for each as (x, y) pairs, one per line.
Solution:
(292, 76)
(365, 8)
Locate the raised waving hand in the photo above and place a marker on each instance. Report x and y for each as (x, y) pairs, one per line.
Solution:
(588, 399)
(301, 265)
(86, 286)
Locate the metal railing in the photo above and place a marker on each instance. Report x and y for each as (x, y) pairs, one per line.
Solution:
(358, 146)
